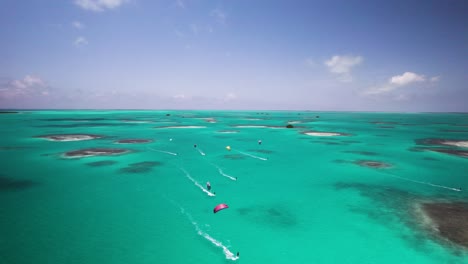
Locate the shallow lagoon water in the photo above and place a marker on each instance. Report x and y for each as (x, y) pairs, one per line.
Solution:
(296, 198)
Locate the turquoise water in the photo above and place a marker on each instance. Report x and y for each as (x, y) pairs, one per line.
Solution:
(298, 198)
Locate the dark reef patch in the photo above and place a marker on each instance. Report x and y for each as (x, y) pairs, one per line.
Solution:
(372, 164)
(133, 141)
(275, 216)
(10, 184)
(264, 151)
(90, 152)
(450, 220)
(382, 135)
(8, 112)
(442, 142)
(340, 161)
(14, 147)
(234, 156)
(365, 153)
(332, 143)
(101, 163)
(401, 210)
(140, 167)
(350, 141)
(453, 152)
(453, 131)
(384, 123)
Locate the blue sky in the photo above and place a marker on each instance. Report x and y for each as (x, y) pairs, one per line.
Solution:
(234, 54)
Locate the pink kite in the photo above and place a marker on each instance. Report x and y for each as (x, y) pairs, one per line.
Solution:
(220, 207)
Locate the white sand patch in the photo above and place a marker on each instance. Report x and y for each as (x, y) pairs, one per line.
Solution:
(463, 144)
(137, 121)
(228, 131)
(70, 138)
(179, 127)
(249, 126)
(322, 134)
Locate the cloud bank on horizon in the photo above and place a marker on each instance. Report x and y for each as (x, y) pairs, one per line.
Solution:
(182, 54)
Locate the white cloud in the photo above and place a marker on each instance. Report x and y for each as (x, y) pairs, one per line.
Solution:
(219, 15)
(28, 81)
(342, 65)
(99, 5)
(78, 25)
(80, 42)
(435, 79)
(29, 85)
(406, 78)
(397, 82)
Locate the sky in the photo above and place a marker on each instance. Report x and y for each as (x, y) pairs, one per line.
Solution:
(403, 56)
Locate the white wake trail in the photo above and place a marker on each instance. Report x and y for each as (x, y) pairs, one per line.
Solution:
(252, 156)
(197, 184)
(425, 183)
(224, 174)
(162, 151)
(201, 152)
(226, 251)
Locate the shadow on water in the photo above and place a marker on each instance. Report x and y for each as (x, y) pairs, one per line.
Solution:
(10, 184)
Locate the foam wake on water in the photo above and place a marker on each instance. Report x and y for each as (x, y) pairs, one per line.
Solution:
(227, 253)
(162, 151)
(201, 152)
(224, 174)
(421, 182)
(197, 184)
(252, 156)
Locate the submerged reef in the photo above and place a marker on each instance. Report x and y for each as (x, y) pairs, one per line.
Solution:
(452, 147)
(101, 163)
(69, 137)
(140, 167)
(90, 152)
(11, 184)
(373, 164)
(133, 141)
(449, 220)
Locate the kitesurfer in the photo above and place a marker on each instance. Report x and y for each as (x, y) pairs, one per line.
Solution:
(259, 142)
(208, 186)
(194, 145)
(237, 253)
